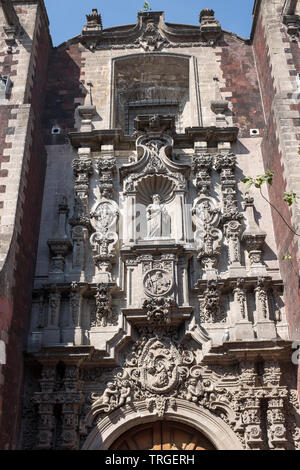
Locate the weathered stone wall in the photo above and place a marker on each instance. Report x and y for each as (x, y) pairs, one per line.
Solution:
(23, 166)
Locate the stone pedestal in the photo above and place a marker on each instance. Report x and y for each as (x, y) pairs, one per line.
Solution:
(243, 330)
(51, 336)
(99, 336)
(265, 330)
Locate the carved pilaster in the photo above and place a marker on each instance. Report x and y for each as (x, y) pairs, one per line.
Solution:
(261, 299)
(247, 376)
(54, 308)
(225, 163)
(265, 328)
(75, 304)
(106, 167)
(243, 327)
(45, 408)
(232, 232)
(104, 218)
(251, 418)
(79, 238)
(276, 424)
(82, 169)
(103, 314)
(71, 408)
(201, 166)
(272, 374)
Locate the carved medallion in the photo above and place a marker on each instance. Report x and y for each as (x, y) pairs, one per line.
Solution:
(105, 215)
(159, 366)
(205, 212)
(157, 282)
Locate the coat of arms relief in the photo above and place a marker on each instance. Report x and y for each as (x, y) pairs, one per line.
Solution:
(158, 370)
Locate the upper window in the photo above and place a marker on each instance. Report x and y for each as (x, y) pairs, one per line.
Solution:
(148, 84)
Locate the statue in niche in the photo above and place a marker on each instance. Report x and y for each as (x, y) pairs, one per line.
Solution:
(158, 219)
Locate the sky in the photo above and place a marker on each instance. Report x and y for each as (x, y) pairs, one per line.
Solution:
(68, 16)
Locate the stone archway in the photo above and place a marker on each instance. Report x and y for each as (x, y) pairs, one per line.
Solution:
(113, 426)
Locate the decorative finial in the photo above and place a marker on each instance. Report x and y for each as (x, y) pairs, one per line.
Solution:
(206, 12)
(94, 18)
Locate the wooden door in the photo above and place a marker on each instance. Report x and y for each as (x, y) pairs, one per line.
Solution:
(162, 435)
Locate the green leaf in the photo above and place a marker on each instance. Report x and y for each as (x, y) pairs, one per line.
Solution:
(290, 197)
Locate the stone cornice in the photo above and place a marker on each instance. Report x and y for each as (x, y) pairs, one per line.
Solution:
(212, 135)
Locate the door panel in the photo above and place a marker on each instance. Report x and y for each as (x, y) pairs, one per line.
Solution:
(162, 435)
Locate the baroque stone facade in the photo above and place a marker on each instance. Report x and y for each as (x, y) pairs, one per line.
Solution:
(159, 292)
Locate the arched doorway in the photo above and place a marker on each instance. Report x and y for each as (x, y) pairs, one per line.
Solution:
(162, 435)
(110, 428)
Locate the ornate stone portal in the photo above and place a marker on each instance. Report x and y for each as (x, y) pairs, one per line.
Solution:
(163, 296)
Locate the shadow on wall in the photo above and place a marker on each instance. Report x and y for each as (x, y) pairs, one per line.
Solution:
(65, 92)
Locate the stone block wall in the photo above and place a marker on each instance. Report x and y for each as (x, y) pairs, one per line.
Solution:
(23, 166)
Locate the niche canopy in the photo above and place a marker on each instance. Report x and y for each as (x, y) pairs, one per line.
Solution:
(154, 172)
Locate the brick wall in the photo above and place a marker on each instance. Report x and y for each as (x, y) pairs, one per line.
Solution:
(274, 159)
(239, 71)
